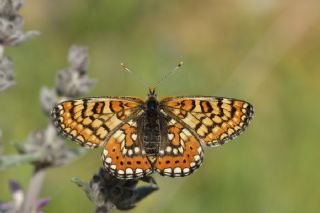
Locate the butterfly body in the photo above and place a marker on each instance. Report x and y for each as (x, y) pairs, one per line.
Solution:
(140, 137)
(150, 126)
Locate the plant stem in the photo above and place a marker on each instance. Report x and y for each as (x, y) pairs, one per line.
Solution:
(1, 51)
(35, 185)
(15, 160)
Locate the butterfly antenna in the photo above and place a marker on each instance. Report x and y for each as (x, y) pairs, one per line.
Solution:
(134, 75)
(168, 74)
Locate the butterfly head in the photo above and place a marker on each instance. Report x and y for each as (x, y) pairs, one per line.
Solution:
(152, 92)
(152, 104)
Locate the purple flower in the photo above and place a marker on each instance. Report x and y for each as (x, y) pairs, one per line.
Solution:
(16, 205)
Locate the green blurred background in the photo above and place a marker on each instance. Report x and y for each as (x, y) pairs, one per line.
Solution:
(263, 51)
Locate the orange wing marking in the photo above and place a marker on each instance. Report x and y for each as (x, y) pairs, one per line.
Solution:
(214, 120)
(89, 121)
(123, 155)
(181, 155)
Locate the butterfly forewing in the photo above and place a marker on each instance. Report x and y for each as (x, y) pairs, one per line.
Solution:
(180, 152)
(89, 121)
(214, 120)
(123, 155)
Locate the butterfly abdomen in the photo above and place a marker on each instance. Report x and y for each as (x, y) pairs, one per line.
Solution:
(150, 124)
(151, 137)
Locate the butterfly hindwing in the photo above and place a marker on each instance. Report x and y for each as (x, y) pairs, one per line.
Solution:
(124, 156)
(89, 121)
(180, 152)
(214, 120)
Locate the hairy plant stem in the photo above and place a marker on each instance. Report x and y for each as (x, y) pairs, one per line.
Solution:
(1, 51)
(14, 160)
(35, 185)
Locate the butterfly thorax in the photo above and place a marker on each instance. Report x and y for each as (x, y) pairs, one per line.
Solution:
(150, 124)
(152, 107)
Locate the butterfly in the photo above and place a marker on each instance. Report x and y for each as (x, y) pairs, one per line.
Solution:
(142, 136)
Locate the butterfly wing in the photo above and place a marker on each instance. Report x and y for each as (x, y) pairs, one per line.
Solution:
(123, 155)
(89, 121)
(180, 153)
(214, 120)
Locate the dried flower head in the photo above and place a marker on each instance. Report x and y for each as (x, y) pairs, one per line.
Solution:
(48, 98)
(108, 192)
(50, 149)
(6, 73)
(74, 81)
(11, 24)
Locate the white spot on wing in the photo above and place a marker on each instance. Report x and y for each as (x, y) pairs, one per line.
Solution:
(170, 136)
(129, 171)
(181, 142)
(175, 151)
(131, 123)
(177, 170)
(136, 150)
(139, 171)
(134, 137)
(199, 150)
(105, 152)
(186, 170)
(197, 158)
(122, 145)
(124, 151)
(168, 171)
(168, 149)
(108, 160)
